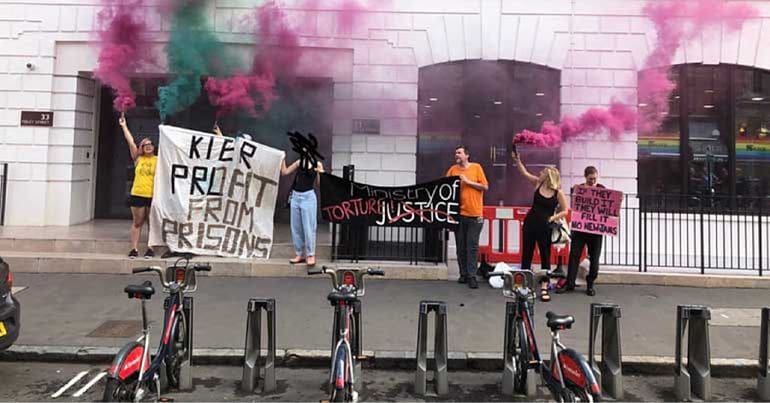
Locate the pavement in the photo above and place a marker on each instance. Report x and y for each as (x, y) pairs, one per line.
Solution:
(38, 381)
(60, 312)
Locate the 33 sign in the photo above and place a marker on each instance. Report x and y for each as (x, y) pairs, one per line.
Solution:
(35, 118)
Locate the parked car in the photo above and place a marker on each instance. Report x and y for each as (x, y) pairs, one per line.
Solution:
(10, 310)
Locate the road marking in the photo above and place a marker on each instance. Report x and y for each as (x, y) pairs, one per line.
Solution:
(735, 317)
(18, 289)
(69, 384)
(84, 389)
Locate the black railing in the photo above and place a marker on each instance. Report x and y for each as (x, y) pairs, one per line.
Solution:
(408, 244)
(656, 231)
(3, 190)
(711, 232)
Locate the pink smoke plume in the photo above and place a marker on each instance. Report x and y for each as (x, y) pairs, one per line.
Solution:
(250, 94)
(123, 49)
(617, 119)
(277, 56)
(669, 18)
(674, 21)
(278, 50)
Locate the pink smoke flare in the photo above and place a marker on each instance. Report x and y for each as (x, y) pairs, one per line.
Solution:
(123, 49)
(250, 94)
(674, 21)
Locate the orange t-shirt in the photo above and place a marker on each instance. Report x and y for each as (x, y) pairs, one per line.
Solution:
(471, 199)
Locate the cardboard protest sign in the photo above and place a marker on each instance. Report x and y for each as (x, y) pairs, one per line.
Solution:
(596, 210)
(214, 195)
(430, 204)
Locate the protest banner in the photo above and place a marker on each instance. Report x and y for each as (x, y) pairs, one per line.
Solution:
(596, 210)
(214, 195)
(430, 204)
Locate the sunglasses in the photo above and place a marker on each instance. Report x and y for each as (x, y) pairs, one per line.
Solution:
(147, 144)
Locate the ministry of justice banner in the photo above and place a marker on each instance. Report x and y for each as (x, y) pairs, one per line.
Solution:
(214, 195)
(435, 203)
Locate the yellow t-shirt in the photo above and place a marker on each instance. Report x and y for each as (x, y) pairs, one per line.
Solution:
(471, 199)
(144, 176)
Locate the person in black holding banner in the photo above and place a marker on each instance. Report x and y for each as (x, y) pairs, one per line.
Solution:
(472, 187)
(581, 240)
(304, 208)
(537, 224)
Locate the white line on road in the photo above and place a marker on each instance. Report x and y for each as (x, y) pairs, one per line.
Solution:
(69, 384)
(17, 289)
(84, 389)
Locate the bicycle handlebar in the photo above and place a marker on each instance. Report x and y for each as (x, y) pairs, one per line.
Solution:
(358, 273)
(167, 284)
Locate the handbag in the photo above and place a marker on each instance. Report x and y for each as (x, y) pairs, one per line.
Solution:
(560, 233)
(291, 191)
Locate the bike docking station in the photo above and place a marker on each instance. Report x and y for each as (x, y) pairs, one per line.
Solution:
(763, 383)
(509, 371)
(609, 372)
(440, 380)
(252, 356)
(696, 376)
(185, 366)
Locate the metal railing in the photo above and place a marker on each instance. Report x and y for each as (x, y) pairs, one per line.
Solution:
(3, 190)
(656, 231)
(356, 242)
(714, 232)
(408, 244)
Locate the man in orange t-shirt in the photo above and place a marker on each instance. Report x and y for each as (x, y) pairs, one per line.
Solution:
(473, 183)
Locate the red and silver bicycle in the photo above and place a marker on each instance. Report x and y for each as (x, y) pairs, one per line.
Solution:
(133, 373)
(348, 286)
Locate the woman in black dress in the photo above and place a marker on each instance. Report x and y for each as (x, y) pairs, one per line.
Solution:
(548, 205)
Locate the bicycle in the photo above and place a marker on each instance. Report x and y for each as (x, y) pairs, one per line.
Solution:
(348, 286)
(132, 373)
(567, 375)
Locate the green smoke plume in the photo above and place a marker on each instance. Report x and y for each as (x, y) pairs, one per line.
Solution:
(193, 52)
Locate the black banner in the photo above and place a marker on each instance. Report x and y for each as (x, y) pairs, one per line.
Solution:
(430, 204)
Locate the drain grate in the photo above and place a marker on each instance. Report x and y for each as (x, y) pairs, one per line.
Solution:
(117, 328)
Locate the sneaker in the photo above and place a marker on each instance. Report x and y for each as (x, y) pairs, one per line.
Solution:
(590, 291)
(462, 280)
(472, 283)
(565, 289)
(149, 254)
(133, 254)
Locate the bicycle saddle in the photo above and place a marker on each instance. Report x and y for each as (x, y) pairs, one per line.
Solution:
(143, 291)
(336, 296)
(556, 321)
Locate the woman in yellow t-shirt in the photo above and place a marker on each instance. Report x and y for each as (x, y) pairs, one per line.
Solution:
(140, 199)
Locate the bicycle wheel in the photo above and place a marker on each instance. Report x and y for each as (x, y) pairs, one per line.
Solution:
(521, 358)
(118, 391)
(340, 385)
(176, 352)
(583, 395)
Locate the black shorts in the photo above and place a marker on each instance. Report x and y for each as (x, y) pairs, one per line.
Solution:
(139, 201)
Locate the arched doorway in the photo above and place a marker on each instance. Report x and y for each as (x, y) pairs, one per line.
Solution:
(481, 104)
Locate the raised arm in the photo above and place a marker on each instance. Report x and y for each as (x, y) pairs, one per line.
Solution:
(129, 138)
(531, 178)
(290, 169)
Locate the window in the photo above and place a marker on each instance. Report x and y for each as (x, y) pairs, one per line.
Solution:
(712, 150)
